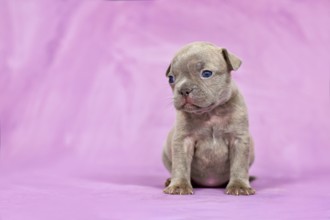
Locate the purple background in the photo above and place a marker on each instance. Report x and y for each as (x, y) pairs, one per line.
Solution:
(85, 107)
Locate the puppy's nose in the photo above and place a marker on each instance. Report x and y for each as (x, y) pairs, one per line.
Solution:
(185, 91)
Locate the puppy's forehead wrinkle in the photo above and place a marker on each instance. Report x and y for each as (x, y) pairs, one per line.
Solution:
(196, 60)
(195, 65)
(189, 65)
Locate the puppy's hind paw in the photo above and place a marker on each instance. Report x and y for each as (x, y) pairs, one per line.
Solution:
(167, 182)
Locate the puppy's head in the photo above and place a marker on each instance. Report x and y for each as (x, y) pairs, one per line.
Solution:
(199, 75)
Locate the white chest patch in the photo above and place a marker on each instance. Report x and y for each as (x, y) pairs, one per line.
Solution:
(214, 137)
(217, 126)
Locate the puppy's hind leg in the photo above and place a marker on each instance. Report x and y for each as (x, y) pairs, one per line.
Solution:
(166, 156)
(168, 165)
(167, 162)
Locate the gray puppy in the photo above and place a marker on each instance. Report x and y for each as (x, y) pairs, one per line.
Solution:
(210, 144)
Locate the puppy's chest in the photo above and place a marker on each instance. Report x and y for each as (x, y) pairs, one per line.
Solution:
(213, 131)
(212, 141)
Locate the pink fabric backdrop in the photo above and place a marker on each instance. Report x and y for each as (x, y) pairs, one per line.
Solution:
(85, 106)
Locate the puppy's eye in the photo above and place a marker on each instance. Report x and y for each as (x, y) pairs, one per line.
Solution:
(171, 79)
(207, 74)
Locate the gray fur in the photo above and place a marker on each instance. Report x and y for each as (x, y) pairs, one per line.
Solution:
(210, 143)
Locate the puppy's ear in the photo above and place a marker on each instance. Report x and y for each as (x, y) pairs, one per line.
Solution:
(168, 70)
(233, 62)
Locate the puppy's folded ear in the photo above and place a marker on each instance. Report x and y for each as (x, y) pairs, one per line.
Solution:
(233, 62)
(168, 70)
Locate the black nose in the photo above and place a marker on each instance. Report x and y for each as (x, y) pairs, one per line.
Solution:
(185, 91)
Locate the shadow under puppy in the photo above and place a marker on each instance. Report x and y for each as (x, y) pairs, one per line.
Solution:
(210, 143)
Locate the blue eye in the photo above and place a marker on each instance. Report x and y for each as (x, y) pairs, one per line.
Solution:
(206, 74)
(171, 79)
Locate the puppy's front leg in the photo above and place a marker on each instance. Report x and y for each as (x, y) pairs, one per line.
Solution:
(239, 167)
(182, 154)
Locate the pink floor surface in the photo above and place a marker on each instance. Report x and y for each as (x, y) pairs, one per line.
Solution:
(85, 107)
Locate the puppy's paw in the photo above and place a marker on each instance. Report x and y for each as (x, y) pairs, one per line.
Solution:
(239, 188)
(179, 189)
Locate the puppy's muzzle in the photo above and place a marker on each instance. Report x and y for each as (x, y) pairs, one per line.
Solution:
(185, 91)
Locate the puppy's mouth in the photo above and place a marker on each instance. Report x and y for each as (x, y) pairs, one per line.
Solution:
(189, 106)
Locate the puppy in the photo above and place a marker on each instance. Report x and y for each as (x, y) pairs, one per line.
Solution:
(210, 144)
